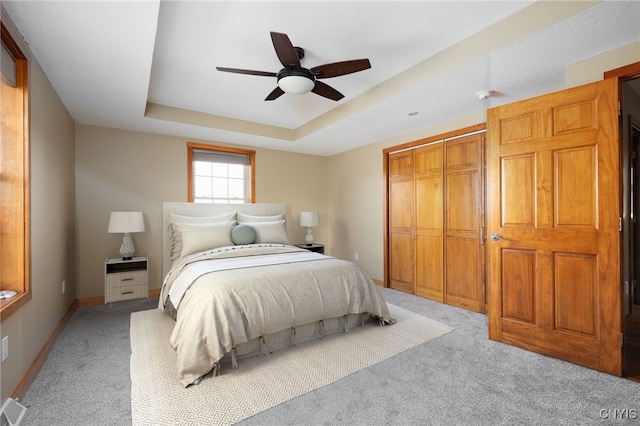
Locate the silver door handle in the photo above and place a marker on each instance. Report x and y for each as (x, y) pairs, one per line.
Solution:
(494, 236)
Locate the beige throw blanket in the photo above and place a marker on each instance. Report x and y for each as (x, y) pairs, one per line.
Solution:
(230, 306)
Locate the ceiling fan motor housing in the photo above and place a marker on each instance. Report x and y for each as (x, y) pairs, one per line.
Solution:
(299, 52)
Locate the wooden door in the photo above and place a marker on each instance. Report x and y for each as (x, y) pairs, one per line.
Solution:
(553, 202)
(401, 217)
(464, 221)
(428, 174)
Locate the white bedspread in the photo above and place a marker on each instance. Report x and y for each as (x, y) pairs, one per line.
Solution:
(201, 267)
(232, 295)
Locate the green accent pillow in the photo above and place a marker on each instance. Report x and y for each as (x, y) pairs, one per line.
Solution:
(243, 234)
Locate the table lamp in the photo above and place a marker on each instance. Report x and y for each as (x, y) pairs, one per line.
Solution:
(309, 219)
(126, 223)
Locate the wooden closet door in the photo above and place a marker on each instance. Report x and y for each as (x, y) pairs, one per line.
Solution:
(428, 222)
(554, 205)
(401, 217)
(464, 219)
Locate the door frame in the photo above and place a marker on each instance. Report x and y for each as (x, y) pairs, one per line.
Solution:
(625, 74)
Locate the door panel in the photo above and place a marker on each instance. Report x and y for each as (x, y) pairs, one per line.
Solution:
(401, 202)
(518, 290)
(464, 218)
(429, 261)
(401, 271)
(464, 284)
(575, 179)
(519, 190)
(401, 223)
(462, 195)
(553, 198)
(575, 294)
(429, 216)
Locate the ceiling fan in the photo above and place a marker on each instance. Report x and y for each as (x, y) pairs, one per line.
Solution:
(295, 79)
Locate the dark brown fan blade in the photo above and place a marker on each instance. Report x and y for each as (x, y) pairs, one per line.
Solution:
(340, 68)
(327, 91)
(284, 49)
(250, 72)
(275, 94)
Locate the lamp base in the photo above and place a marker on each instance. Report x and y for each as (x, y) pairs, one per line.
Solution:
(127, 249)
(309, 237)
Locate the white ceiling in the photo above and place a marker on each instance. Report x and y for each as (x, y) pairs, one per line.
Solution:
(150, 65)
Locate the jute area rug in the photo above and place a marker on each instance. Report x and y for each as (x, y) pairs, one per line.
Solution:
(259, 383)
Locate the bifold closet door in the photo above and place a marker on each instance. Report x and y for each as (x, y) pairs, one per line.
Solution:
(428, 173)
(436, 213)
(401, 215)
(464, 219)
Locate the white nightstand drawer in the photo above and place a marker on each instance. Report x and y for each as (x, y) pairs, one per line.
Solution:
(128, 279)
(117, 294)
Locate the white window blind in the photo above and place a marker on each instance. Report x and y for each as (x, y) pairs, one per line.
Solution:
(220, 157)
(8, 66)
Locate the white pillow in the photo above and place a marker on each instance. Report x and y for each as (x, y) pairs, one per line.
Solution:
(250, 218)
(270, 232)
(175, 238)
(202, 236)
(224, 217)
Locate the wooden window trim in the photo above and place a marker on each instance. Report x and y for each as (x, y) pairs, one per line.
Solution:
(252, 159)
(17, 126)
(9, 307)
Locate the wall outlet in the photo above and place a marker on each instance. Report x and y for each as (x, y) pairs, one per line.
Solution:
(356, 256)
(5, 347)
(64, 287)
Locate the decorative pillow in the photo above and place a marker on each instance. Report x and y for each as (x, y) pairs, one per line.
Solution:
(202, 236)
(243, 234)
(176, 239)
(241, 217)
(270, 232)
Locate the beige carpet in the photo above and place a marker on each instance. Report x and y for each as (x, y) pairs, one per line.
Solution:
(259, 383)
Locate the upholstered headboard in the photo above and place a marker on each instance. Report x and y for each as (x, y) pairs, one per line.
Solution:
(200, 209)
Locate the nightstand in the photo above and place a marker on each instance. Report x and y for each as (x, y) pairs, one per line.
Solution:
(125, 279)
(318, 248)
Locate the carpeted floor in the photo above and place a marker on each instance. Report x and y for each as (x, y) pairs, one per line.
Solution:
(460, 378)
(259, 383)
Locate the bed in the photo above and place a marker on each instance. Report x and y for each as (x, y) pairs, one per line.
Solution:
(236, 287)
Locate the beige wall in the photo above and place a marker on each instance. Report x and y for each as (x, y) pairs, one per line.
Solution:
(52, 232)
(593, 69)
(124, 170)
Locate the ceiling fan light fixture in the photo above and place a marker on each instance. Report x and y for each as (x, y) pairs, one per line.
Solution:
(296, 81)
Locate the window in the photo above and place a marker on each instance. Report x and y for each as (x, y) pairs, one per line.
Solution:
(220, 175)
(14, 171)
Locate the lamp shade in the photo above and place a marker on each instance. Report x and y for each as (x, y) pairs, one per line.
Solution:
(309, 219)
(126, 222)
